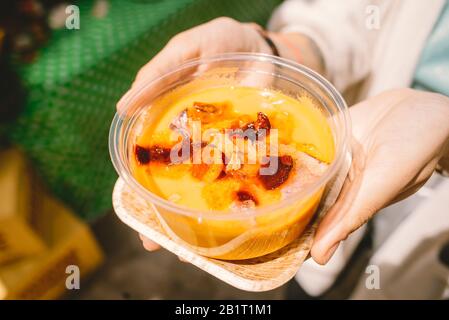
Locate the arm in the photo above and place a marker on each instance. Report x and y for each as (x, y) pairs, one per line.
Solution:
(339, 29)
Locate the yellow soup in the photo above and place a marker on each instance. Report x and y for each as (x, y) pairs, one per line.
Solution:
(208, 149)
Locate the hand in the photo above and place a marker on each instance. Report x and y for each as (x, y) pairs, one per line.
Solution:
(399, 137)
(221, 35)
(225, 35)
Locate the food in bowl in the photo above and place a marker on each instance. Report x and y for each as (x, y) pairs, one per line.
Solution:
(228, 135)
(233, 170)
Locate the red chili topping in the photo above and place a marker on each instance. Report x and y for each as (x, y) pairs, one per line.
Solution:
(252, 130)
(155, 153)
(142, 154)
(222, 175)
(205, 112)
(272, 180)
(262, 122)
(161, 154)
(243, 195)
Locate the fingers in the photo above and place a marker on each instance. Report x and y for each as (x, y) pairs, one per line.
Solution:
(217, 36)
(177, 50)
(335, 226)
(174, 53)
(153, 246)
(372, 184)
(148, 244)
(386, 169)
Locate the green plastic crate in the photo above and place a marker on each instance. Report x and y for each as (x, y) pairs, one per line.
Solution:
(80, 75)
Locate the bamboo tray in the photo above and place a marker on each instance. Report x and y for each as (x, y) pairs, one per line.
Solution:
(257, 274)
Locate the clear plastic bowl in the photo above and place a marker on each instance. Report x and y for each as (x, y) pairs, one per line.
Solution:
(233, 235)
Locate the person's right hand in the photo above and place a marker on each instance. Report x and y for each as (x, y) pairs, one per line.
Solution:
(225, 35)
(221, 35)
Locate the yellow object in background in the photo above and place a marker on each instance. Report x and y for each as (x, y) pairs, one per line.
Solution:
(70, 242)
(17, 238)
(39, 237)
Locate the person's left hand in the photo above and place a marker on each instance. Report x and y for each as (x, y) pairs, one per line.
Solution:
(399, 137)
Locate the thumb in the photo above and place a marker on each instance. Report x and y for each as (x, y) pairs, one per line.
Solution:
(357, 202)
(372, 184)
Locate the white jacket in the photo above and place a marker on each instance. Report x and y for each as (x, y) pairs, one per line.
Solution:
(377, 45)
(354, 47)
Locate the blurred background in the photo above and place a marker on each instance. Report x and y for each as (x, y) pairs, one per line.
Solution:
(58, 88)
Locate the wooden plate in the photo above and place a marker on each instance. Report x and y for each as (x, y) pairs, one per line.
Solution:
(257, 274)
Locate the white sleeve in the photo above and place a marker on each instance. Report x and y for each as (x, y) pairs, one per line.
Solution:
(338, 28)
